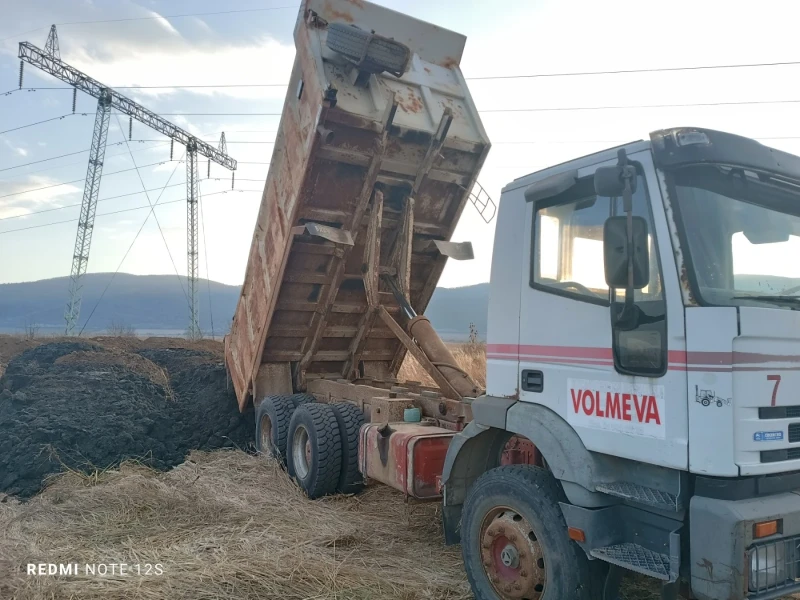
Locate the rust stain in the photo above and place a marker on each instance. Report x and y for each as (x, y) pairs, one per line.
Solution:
(708, 566)
(333, 14)
(449, 62)
(427, 70)
(394, 147)
(358, 3)
(412, 104)
(686, 285)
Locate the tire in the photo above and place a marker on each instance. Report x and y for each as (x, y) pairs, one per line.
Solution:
(350, 419)
(520, 501)
(272, 425)
(314, 449)
(300, 399)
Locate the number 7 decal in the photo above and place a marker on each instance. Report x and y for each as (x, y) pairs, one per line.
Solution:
(777, 380)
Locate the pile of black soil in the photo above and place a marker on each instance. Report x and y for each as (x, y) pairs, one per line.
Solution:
(81, 406)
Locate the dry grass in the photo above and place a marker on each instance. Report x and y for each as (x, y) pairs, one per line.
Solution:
(230, 526)
(224, 525)
(470, 356)
(114, 356)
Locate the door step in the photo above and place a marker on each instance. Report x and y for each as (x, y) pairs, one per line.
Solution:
(636, 558)
(641, 494)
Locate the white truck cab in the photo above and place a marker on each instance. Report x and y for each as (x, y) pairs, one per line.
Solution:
(644, 337)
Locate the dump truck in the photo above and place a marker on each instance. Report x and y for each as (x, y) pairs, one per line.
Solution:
(643, 347)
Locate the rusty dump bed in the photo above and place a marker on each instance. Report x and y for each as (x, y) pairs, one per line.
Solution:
(370, 168)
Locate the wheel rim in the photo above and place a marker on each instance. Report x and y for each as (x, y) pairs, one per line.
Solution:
(511, 555)
(266, 434)
(301, 451)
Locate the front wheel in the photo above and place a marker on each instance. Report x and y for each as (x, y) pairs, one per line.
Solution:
(514, 539)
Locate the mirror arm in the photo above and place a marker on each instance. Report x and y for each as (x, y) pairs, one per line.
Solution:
(628, 176)
(627, 203)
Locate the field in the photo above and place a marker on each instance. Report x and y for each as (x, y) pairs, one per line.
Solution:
(223, 525)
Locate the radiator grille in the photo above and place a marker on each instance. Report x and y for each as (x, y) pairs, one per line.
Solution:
(768, 456)
(779, 412)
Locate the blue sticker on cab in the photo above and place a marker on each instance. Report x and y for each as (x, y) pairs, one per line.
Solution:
(767, 436)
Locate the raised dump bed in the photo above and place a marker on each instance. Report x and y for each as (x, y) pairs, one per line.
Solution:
(377, 153)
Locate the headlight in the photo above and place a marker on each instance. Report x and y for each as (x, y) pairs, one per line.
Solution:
(768, 566)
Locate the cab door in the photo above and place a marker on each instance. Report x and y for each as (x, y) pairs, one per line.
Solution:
(618, 389)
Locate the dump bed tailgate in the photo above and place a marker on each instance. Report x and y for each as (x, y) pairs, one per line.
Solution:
(354, 147)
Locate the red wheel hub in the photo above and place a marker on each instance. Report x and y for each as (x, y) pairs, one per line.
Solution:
(511, 556)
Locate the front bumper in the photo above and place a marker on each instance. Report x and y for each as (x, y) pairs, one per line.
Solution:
(727, 563)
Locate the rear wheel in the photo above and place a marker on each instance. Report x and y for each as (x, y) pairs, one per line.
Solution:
(350, 419)
(314, 457)
(514, 539)
(300, 399)
(272, 423)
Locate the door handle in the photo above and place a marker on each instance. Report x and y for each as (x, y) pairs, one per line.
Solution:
(532, 381)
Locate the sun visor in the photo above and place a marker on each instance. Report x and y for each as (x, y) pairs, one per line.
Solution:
(551, 186)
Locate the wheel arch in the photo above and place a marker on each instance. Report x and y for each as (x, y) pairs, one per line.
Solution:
(478, 447)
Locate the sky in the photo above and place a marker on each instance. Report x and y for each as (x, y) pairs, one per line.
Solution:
(514, 38)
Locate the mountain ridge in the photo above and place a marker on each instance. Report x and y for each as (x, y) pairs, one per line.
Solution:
(157, 304)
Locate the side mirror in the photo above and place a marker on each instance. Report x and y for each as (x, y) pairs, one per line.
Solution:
(609, 182)
(615, 256)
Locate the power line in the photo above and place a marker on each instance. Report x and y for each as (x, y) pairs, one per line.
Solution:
(237, 179)
(116, 212)
(208, 14)
(628, 71)
(119, 266)
(227, 141)
(40, 122)
(34, 162)
(154, 87)
(484, 111)
(213, 115)
(541, 109)
(227, 12)
(162, 143)
(47, 210)
(23, 33)
(479, 78)
(621, 107)
(147, 195)
(205, 252)
(47, 187)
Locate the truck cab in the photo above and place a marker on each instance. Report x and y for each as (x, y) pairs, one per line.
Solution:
(644, 337)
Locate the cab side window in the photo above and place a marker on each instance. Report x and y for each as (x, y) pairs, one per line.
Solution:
(567, 260)
(568, 248)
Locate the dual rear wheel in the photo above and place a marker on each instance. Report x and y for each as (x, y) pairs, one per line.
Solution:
(316, 443)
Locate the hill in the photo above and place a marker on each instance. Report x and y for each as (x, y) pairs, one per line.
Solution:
(156, 305)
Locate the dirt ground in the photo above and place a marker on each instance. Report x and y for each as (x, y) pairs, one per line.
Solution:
(222, 525)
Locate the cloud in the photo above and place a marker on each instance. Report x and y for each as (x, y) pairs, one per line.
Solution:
(162, 22)
(154, 51)
(16, 149)
(189, 63)
(23, 203)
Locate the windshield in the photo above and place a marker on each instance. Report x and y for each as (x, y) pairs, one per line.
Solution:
(743, 235)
